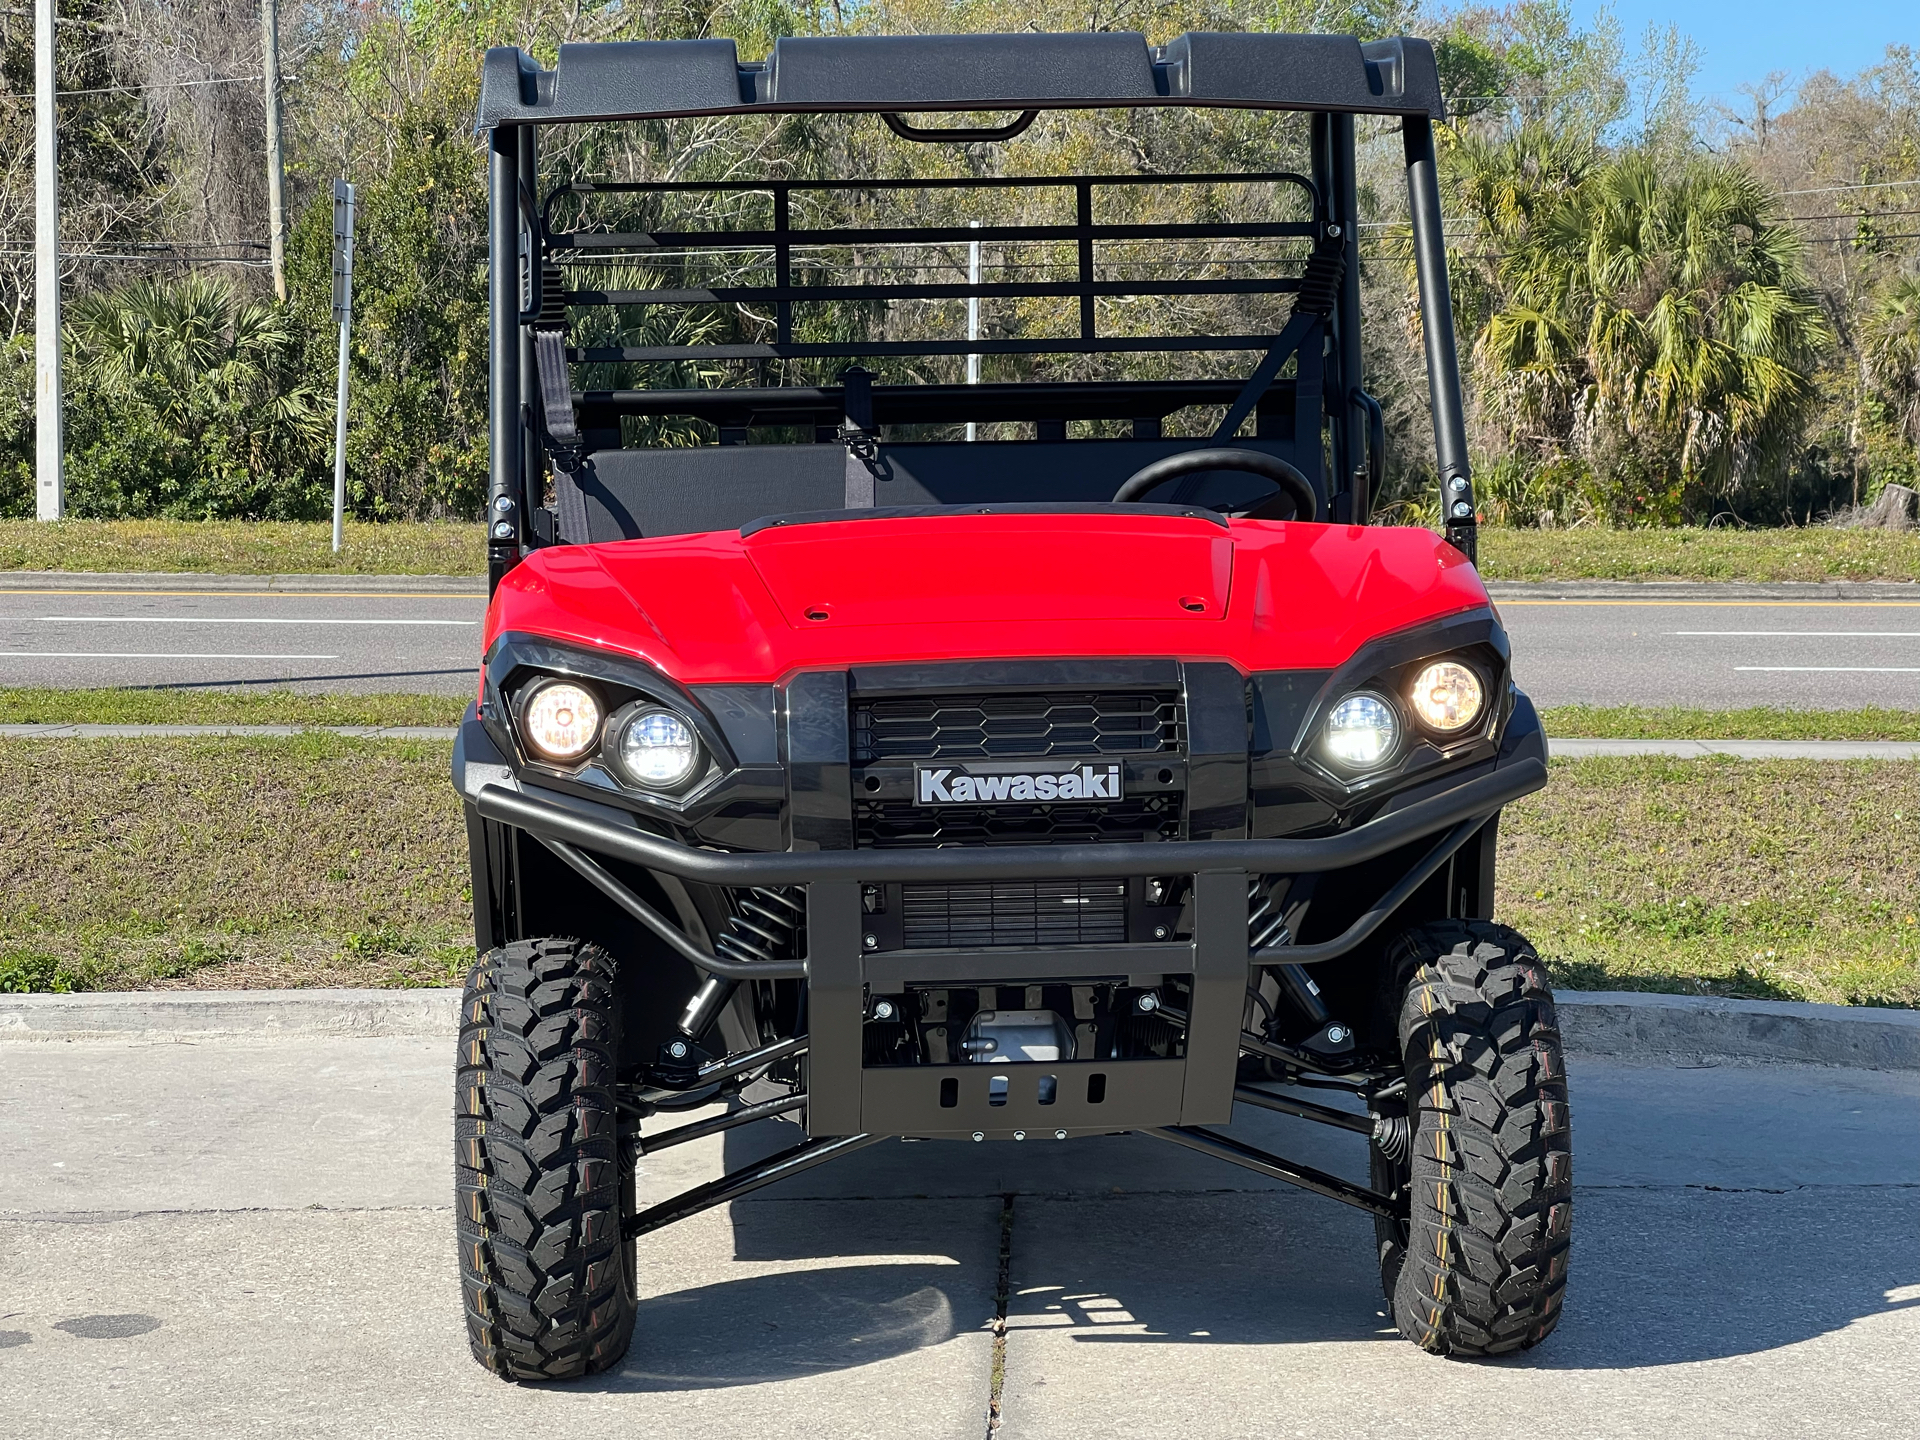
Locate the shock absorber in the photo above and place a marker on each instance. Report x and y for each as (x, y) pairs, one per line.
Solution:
(763, 925)
(1265, 927)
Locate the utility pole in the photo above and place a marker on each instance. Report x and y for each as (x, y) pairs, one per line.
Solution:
(342, 312)
(973, 314)
(276, 180)
(50, 485)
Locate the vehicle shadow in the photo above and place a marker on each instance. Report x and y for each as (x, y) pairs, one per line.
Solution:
(788, 1325)
(723, 1304)
(1658, 1277)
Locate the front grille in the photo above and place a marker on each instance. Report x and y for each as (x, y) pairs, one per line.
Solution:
(1035, 725)
(1014, 912)
(885, 824)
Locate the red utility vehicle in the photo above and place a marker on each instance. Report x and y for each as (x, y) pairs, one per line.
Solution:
(845, 764)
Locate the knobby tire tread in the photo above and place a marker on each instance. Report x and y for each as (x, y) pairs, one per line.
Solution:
(1480, 1268)
(539, 1186)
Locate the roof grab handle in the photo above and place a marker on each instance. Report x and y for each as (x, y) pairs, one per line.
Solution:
(1017, 126)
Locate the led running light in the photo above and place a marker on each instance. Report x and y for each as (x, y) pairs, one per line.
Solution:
(1447, 696)
(561, 722)
(657, 747)
(1361, 731)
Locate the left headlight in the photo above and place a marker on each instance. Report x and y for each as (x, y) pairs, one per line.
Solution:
(560, 721)
(656, 748)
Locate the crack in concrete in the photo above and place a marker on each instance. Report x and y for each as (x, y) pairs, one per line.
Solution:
(997, 1375)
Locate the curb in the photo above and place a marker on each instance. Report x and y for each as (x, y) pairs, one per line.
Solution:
(1607, 1024)
(234, 1014)
(25, 580)
(1739, 749)
(1681, 591)
(148, 732)
(1632, 1024)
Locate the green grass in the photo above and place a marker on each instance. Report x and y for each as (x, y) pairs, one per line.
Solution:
(314, 860)
(1760, 722)
(1790, 880)
(457, 548)
(243, 547)
(1693, 554)
(306, 860)
(223, 707)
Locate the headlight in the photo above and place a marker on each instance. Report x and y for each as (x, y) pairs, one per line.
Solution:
(560, 721)
(1447, 696)
(1361, 731)
(657, 747)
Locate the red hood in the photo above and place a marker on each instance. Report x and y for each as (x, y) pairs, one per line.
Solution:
(720, 607)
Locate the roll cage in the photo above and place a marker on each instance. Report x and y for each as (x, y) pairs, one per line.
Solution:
(787, 447)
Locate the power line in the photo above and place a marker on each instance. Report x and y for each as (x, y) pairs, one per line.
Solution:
(164, 85)
(1836, 189)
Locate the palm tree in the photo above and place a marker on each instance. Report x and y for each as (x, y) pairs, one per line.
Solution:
(194, 349)
(1659, 326)
(1891, 346)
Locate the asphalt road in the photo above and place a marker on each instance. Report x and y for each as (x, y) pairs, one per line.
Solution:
(1803, 653)
(359, 640)
(254, 1238)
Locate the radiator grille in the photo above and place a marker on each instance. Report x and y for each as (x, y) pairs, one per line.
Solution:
(1037, 725)
(1017, 912)
(882, 824)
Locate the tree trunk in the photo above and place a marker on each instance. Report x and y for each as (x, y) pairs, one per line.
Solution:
(1898, 508)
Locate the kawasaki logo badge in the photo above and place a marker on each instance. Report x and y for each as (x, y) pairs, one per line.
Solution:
(979, 784)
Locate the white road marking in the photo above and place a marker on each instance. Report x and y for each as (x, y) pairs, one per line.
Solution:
(1835, 669)
(141, 655)
(229, 620)
(1821, 634)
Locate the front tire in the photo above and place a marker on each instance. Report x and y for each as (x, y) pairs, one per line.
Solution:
(1480, 1267)
(541, 1184)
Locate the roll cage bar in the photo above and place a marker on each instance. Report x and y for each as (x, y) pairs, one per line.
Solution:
(537, 418)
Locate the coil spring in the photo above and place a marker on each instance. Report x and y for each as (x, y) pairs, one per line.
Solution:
(1264, 924)
(764, 923)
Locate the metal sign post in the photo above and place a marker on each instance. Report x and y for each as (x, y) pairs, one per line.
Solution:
(343, 314)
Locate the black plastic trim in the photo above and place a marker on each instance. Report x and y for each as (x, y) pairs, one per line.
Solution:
(812, 74)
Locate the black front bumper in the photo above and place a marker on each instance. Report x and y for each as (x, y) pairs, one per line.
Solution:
(1084, 1096)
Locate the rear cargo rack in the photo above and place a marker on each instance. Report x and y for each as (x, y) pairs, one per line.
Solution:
(779, 243)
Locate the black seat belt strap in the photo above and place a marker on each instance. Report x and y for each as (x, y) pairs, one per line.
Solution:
(563, 433)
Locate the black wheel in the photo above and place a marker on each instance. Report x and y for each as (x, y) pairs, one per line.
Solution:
(540, 1181)
(1480, 1268)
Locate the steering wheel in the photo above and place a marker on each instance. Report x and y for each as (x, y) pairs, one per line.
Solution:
(1293, 485)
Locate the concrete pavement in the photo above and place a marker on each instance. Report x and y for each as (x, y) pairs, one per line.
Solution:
(247, 1237)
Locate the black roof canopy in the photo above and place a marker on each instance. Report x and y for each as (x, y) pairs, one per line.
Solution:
(657, 79)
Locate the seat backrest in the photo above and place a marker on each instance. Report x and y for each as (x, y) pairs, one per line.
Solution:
(635, 493)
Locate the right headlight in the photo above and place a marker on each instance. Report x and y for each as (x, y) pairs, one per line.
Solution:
(1447, 697)
(656, 748)
(1361, 731)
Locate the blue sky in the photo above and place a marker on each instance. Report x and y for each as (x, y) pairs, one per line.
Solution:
(1742, 40)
